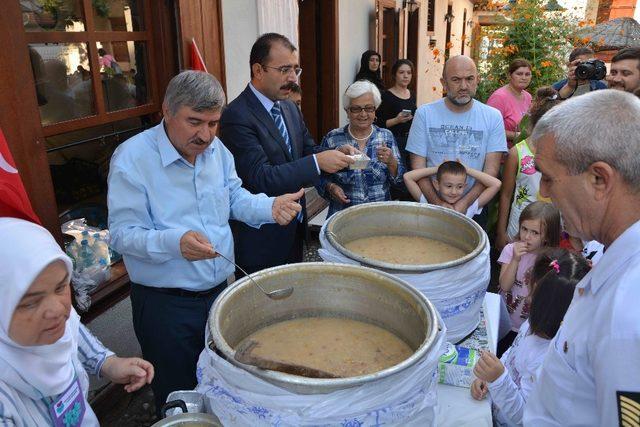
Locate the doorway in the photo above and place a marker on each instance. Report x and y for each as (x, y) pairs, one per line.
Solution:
(318, 32)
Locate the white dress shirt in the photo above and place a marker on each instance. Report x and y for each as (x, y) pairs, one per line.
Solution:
(593, 363)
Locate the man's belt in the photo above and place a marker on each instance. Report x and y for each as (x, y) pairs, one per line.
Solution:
(178, 292)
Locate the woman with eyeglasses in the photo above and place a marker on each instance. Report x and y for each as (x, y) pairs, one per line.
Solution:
(355, 186)
(370, 64)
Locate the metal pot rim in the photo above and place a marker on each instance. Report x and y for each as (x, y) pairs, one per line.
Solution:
(340, 383)
(403, 268)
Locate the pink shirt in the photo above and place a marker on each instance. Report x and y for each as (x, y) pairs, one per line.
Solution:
(515, 299)
(511, 108)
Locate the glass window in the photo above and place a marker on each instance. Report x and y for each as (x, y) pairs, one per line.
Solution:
(123, 69)
(79, 160)
(118, 15)
(63, 81)
(52, 15)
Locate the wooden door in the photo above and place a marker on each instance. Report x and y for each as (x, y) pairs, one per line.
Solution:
(413, 37)
(388, 37)
(447, 40)
(318, 33)
(202, 20)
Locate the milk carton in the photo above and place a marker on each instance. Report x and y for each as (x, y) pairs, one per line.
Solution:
(455, 366)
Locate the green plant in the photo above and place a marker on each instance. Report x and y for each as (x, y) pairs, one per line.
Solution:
(51, 6)
(533, 33)
(102, 7)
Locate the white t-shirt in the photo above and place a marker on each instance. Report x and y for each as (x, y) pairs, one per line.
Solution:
(439, 134)
(472, 210)
(522, 362)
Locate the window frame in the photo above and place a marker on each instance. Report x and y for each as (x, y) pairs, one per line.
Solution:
(91, 37)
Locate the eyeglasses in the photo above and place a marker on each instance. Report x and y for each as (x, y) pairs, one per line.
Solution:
(286, 69)
(356, 109)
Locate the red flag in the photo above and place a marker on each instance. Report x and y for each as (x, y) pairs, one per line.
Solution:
(14, 201)
(197, 63)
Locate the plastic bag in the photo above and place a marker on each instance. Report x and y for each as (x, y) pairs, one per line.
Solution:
(91, 259)
(456, 292)
(239, 398)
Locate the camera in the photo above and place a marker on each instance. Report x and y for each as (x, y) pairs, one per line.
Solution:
(593, 69)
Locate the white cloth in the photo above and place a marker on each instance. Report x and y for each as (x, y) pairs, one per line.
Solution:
(472, 210)
(25, 250)
(593, 360)
(279, 16)
(522, 362)
(593, 250)
(439, 134)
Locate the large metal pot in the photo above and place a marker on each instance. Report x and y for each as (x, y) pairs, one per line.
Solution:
(405, 219)
(186, 418)
(323, 289)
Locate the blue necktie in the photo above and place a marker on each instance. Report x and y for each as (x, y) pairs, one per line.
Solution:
(276, 113)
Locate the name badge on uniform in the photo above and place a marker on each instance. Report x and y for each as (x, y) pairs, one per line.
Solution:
(69, 409)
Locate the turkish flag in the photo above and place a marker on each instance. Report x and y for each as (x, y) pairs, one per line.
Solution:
(14, 201)
(197, 63)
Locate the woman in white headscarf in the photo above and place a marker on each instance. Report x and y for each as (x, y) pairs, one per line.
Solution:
(45, 352)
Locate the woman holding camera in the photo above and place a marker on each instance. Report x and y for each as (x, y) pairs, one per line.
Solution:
(513, 100)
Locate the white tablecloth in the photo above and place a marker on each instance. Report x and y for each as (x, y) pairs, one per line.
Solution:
(456, 407)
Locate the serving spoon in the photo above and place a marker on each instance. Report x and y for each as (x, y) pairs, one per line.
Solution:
(277, 294)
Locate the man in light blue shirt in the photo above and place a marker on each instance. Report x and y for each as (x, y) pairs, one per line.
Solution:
(172, 191)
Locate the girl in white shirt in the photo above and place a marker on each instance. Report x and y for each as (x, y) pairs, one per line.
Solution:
(510, 379)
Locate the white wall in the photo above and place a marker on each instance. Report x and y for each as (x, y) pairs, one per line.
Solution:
(356, 20)
(240, 31)
(429, 69)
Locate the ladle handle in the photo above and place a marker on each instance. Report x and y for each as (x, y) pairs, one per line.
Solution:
(244, 272)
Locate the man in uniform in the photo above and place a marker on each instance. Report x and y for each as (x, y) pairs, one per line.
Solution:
(588, 151)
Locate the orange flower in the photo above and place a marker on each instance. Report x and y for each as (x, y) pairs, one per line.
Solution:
(545, 64)
(586, 40)
(436, 52)
(581, 24)
(464, 37)
(449, 45)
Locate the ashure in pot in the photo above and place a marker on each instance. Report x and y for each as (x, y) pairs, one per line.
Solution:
(405, 219)
(324, 290)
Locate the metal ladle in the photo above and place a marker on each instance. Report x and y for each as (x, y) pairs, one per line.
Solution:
(277, 294)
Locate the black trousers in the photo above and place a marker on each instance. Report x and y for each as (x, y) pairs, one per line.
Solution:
(170, 329)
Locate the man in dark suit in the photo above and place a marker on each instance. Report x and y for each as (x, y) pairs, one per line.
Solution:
(273, 150)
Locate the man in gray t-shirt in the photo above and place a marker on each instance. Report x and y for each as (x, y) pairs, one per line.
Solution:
(457, 128)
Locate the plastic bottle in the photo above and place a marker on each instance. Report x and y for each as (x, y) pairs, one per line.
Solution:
(86, 257)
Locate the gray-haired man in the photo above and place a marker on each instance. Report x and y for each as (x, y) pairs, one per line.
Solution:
(588, 150)
(172, 191)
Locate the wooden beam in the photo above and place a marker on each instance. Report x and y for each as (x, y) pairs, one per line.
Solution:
(20, 120)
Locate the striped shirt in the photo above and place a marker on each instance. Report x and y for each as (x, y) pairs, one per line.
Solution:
(18, 409)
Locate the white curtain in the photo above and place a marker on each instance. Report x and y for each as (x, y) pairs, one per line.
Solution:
(278, 16)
